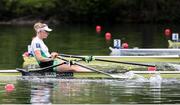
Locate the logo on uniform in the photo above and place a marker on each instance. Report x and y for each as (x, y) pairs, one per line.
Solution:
(38, 45)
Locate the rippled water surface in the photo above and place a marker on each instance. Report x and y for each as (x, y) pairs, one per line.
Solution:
(81, 91)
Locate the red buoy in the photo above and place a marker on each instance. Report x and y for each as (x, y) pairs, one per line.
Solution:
(125, 45)
(98, 28)
(9, 87)
(167, 32)
(108, 36)
(152, 68)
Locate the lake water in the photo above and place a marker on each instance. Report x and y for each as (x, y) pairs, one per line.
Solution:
(76, 91)
(82, 39)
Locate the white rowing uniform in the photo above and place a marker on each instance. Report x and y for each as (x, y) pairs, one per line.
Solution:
(38, 44)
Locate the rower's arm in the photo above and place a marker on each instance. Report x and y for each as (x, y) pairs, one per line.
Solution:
(40, 57)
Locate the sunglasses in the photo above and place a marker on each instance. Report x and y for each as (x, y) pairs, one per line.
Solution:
(46, 31)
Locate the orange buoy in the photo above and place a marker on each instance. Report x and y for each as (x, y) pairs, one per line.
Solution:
(98, 28)
(9, 87)
(167, 32)
(108, 36)
(125, 45)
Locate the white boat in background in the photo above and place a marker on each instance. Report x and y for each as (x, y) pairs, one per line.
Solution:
(143, 52)
(118, 50)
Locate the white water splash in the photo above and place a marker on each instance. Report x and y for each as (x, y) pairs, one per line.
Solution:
(175, 66)
(136, 77)
(129, 74)
(156, 80)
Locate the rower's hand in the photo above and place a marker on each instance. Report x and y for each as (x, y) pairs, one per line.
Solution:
(88, 58)
(54, 55)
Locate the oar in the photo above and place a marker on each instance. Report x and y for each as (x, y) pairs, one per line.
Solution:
(103, 60)
(95, 70)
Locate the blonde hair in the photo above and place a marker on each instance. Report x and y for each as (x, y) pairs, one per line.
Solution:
(38, 25)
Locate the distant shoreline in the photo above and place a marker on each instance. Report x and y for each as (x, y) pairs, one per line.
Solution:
(54, 21)
(20, 21)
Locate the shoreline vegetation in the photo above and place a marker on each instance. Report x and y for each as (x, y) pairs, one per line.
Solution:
(22, 21)
(24, 12)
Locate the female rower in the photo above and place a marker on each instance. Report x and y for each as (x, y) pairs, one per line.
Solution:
(42, 55)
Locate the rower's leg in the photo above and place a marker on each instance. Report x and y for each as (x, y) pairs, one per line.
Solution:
(68, 68)
(72, 68)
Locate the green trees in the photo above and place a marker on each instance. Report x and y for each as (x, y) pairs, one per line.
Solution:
(92, 10)
(20, 8)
